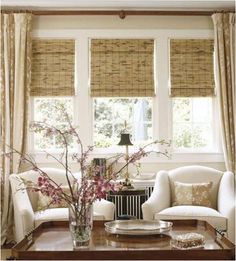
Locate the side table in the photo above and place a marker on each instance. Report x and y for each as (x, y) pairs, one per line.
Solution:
(128, 202)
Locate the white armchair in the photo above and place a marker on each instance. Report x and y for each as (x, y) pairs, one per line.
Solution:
(25, 203)
(221, 216)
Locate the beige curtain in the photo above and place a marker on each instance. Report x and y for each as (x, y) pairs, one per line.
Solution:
(15, 84)
(224, 30)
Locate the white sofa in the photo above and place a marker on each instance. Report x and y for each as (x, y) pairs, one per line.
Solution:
(25, 203)
(221, 216)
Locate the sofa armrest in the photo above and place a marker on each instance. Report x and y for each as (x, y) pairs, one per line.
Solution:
(104, 208)
(226, 202)
(23, 224)
(23, 211)
(160, 197)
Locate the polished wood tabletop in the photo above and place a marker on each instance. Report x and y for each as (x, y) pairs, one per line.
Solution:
(52, 240)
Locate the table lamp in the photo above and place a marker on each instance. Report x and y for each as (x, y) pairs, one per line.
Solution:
(125, 141)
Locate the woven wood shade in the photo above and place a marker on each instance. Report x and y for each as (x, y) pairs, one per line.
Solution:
(191, 67)
(122, 68)
(53, 66)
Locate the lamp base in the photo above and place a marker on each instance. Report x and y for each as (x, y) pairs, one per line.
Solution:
(127, 184)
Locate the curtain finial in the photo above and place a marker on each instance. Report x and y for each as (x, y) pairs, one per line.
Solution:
(122, 14)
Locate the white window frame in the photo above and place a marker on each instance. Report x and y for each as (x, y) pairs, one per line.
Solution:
(162, 126)
(31, 134)
(216, 137)
(116, 147)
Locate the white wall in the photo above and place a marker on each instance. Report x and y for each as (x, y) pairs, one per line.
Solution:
(130, 22)
(149, 25)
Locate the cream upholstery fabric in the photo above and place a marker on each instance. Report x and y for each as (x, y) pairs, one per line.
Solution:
(223, 196)
(25, 216)
(194, 212)
(226, 201)
(57, 214)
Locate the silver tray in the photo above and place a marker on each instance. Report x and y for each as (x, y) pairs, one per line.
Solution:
(138, 227)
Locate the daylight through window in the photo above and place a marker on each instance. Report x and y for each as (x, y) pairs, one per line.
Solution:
(110, 115)
(46, 110)
(192, 123)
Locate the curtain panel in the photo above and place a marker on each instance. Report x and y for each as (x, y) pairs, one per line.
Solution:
(15, 86)
(224, 33)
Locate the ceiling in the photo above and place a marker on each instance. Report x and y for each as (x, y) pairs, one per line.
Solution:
(205, 5)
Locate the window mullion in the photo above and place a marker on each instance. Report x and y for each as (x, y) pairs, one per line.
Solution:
(192, 122)
(84, 105)
(161, 106)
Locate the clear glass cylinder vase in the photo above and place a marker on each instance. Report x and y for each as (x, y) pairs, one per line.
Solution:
(81, 223)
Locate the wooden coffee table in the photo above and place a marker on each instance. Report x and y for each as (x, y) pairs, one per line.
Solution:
(52, 240)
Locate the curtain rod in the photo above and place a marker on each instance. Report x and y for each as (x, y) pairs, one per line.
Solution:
(121, 13)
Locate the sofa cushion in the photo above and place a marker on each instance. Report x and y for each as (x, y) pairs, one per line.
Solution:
(196, 194)
(45, 202)
(57, 214)
(210, 215)
(196, 174)
(58, 175)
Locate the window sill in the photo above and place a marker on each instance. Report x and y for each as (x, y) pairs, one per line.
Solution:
(186, 157)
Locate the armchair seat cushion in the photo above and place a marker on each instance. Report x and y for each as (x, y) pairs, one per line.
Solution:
(57, 214)
(50, 214)
(210, 215)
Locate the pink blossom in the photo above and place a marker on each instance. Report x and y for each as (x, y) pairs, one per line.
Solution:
(92, 186)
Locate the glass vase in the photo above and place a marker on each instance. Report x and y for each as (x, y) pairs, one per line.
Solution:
(80, 222)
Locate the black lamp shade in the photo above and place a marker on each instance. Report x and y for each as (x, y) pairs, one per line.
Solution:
(125, 139)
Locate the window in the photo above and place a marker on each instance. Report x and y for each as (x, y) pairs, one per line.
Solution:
(193, 123)
(122, 69)
(110, 115)
(46, 110)
(192, 90)
(103, 94)
(53, 66)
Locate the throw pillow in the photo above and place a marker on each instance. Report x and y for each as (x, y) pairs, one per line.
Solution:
(34, 198)
(196, 194)
(44, 202)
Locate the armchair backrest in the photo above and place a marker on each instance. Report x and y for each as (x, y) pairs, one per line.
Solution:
(58, 175)
(196, 174)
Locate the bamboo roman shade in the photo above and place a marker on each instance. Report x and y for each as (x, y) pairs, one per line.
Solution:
(53, 66)
(191, 67)
(122, 68)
